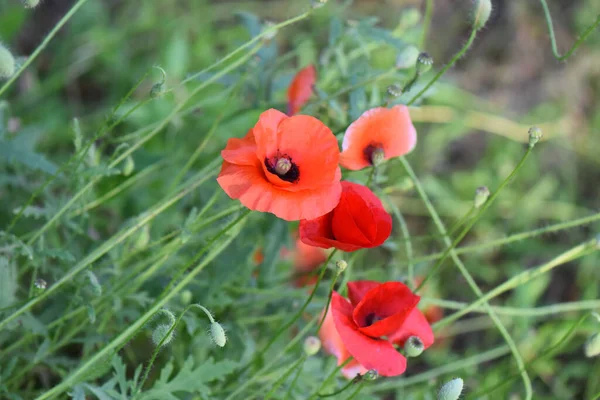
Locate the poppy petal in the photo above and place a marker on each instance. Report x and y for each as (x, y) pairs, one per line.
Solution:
(358, 289)
(376, 354)
(317, 232)
(301, 88)
(383, 309)
(240, 151)
(415, 325)
(390, 129)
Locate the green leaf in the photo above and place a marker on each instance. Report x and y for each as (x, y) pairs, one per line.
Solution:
(8, 283)
(189, 379)
(14, 151)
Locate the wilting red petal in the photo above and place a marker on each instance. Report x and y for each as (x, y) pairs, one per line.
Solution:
(415, 325)
(376, 354)
(358, 289)
(359, 221)
(332, 344)
(383, 309)
(389, 129)
(301, 88)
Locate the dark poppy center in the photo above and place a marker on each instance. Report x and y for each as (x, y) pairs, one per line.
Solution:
(283, 167)
(374, 153)
(371, 318)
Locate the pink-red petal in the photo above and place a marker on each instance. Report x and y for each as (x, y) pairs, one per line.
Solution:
(415, 325)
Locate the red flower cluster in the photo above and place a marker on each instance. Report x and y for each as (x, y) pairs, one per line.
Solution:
(366, 326)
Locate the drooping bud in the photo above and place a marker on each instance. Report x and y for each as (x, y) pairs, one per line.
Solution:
(394, 90)
(160, 332)
(217, 334)
(481, 195)
(7, 63)
(312, 345)
(377, 156)
(157, 88)
(424, 63)
(371, 375)
(283, 166)
(535, 135)
(408, 58)
(413, 347)
(483, 9)
(592, 345)
(451, 390)
(341, 266)
(31, 3)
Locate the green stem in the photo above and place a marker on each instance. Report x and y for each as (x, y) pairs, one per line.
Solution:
(346, 386)
(471, 282)
(43, 45)
(577, 43)
(446, 67)
(284, 376)
(216, 246)
(426, 22)
(361, 385)
(329, 296)
(332, 375)
(522, 278)
(407, 241)
(450, 249)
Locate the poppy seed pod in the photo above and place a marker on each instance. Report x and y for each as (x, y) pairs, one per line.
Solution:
(413, 347)
(40, 284)
(592, 345)
(370, 375)
(481, 195)
(451, 390)
(424, 63)
(483, 9)
(535, 135)
(7, 63)
(394, 90)
(312, 345)
(217, 334)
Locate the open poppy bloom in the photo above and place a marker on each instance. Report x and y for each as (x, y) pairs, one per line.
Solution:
(378, 134)
(287, 166)
(366, 326)
(359, 221)
(301, 89)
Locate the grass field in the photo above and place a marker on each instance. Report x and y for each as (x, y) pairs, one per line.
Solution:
(122, 258)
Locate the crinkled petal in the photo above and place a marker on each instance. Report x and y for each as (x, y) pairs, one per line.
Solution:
(301, 88)
(358, 289)
(415, 325)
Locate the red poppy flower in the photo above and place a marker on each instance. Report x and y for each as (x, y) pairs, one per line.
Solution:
(287, 166)
(378, 134)
(374, 319)
(359, 221)
(301, 89)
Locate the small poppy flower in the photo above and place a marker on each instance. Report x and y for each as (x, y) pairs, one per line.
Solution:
(301, 89)
(359, 221)
(375, 317)
(284, 165)
(378, 134)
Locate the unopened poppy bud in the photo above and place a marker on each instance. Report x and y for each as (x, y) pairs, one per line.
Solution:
(371, 375)
(413, 347)
(7, 63)
(31, 3)
(160, 332)
(283, 166)
(377, 156)
(424, 63)
(217, 334)
(408, 58)
(451, 390)
(341, 266)
(535, 135)
(317, 3)
(394, 90)
(185, 297)
(312, 345)
(592, 345)
(143, 238)
(157, 88)
(483, 9)
(481, 195)
(129, 166)
(40, 284)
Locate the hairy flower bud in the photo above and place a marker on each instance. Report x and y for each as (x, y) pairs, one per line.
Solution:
(483, 9)
(160, 332)
(592, 345)
(535, 135)
(413, 347)
(481, 195)
(341, 266)
(129, 166)
(312, 345)
(451, 390)
(7, 63)
(217, 334)
(424, 63)
(185, 297)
